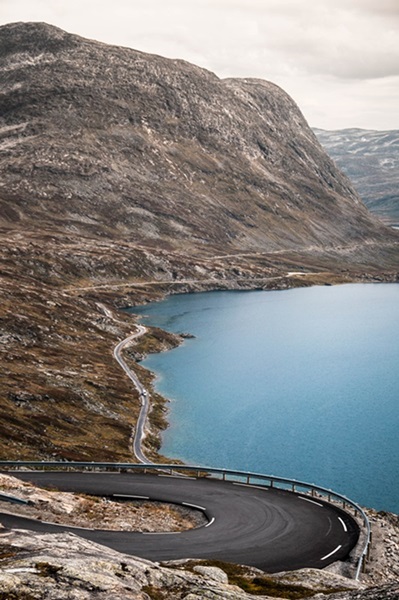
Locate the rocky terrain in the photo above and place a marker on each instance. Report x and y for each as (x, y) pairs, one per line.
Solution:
(371, 160)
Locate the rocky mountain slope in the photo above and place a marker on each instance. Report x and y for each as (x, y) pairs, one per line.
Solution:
(126, 176)
(111, 141)
(371, 160)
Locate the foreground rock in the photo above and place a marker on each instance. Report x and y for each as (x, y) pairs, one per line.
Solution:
(65, 567)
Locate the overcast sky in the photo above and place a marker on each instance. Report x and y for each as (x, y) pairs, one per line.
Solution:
(338, 59)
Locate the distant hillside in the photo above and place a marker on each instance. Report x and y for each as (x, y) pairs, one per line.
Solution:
(371, 161)
(109, 140)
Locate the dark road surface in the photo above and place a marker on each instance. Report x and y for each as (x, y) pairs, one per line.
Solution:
(271, 529)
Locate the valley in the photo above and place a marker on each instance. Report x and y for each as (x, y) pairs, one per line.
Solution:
(370, 159)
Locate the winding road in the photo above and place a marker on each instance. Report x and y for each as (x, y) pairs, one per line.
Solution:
(144, 395)
(272, 529)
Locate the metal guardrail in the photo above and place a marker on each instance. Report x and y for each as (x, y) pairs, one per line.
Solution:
(248, 477)
(14, 499)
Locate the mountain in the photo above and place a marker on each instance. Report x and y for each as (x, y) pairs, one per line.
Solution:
(127, 176)
(114, 142)
(371, 160)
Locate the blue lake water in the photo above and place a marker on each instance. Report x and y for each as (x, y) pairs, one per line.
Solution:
(301, 383)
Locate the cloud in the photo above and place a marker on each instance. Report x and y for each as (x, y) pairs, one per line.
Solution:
(338, 104)
(316, 38)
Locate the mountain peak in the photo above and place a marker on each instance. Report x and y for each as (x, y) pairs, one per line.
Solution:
(33, 37)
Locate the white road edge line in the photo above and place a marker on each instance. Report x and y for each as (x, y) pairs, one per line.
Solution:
(51, 523)
(160, 532)
(331, 553)
(257, 487)
(194, 506)
(210, 522)
(312, 501)
(343, 524)
(130, 496)
(69, 526)
(174, 476)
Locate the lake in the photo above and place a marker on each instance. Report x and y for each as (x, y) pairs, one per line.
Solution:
(301, 383)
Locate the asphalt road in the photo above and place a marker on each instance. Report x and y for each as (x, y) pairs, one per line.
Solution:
(271, 529)
(144, 396)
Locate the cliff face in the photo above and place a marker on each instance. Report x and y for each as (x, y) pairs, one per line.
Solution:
(111, 141)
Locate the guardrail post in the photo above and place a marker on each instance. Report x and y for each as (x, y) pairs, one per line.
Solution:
(369, 546)
(293, 487)
(247, 479)
(363, 565)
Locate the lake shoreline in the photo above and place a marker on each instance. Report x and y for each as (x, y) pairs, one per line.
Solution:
(167, 417)
(167, 340)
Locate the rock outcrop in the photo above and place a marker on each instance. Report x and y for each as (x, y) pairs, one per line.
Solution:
(66, 567)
